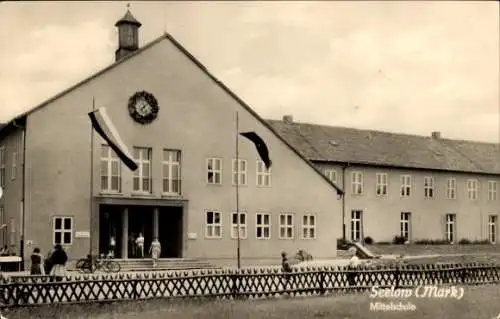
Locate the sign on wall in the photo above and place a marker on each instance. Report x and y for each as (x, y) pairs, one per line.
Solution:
(82, 234)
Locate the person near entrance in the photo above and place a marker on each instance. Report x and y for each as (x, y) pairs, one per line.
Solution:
(155, 251)
(112, 245)
(139, 242)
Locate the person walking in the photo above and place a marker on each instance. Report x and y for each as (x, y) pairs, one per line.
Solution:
(59, 259)
(36, 262)
(139, 242)
(155, 251)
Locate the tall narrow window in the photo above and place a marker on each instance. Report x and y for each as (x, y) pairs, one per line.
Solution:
(171, 171)
(381, 184)
(356, 225)
(451, 188)
(309, 226)
(239, 172)
(242, 225)
(331, 174)
(214, 171)
(3, 163)
(357, 183)
(14, 166)
(63, 230)
(142, 175)
(405, 185)
(405, 225)
(492, 228)
(110, 170)
(263, 174)
(492, 190)
(213, 225)
(451, 228)
(472, 189)
(286, 226)
(263, 226)
(428, 187)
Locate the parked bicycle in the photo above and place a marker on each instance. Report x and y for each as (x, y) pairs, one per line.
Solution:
(103, 263)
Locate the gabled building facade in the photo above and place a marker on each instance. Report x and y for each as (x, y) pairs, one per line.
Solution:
(416, 187)
(179, 122)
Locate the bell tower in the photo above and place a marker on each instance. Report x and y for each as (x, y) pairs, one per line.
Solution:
(128, 35)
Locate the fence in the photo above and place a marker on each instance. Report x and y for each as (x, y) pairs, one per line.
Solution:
(231, 284)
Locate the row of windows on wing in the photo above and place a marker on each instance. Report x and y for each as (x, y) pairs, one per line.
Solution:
(381, 186)
(171, 171)
(405, 226)
(3, 166)
(263, 225)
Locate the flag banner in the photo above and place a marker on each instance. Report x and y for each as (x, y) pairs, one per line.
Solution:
(261, 147)
(103, 125)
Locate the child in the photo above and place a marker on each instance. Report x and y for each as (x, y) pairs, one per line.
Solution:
(36, 262)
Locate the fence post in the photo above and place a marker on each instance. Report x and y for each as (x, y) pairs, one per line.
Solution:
(322, 281)
(398, 276)
(234, 286)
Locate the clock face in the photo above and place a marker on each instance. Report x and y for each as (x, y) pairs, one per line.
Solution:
(143, 107)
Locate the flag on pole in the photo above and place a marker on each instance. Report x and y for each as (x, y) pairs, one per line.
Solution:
(103, 125)
(260, 145)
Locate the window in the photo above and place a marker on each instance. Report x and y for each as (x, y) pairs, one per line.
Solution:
(331, 174)
(357, 183)
(405, 185)
(472, 189)
(492, 228)
(381, 184)
(309, 226)
(63, 230)
(3, 226)
(14, 166)
(239, 172)
(12, 230)
(286, 226)
(171, 172)
(428, 187)
(451, 188)
(405, 225)
(213, 226)
(2, 166)
(242, 225)
(214, 171)
(356, 226)
(263, 226)
(492, 190)
(263, 174)
(110, 170)
(142, 175)
(450, 227)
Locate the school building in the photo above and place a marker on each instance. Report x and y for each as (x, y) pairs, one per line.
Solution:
(63, 184)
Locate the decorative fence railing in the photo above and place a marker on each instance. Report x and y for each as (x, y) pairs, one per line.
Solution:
(245, 283)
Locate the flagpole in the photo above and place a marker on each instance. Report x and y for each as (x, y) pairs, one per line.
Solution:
(238, 193)
(91, 190)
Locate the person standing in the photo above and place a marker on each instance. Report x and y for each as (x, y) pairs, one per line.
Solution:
(112, 245)
(131, 246)
(139, 242)
(59, 259)
(36, 262)
(155, 251)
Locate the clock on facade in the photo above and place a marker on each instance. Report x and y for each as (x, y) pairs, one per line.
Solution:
(143, 107)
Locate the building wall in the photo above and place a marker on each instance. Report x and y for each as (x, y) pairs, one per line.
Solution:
(196, 117)
(381, 214)
(11, 202)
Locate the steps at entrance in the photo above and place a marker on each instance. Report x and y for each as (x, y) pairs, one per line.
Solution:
(164, 264)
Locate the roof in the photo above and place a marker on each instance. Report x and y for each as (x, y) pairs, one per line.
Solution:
(128, 18)
(321, 143)
(170, 38)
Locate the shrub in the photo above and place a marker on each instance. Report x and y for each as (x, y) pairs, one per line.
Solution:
(481, 242)
(342, 244)
(432, 242)
(368, 240)
(464, 241)
(398, 240)
(383, 243)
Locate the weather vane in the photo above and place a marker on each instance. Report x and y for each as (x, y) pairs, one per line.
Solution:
(128, 5)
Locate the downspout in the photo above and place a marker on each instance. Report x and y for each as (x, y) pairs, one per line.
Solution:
(23, 190)
(343, 201)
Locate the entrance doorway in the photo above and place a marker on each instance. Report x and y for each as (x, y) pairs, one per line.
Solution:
(170, 232)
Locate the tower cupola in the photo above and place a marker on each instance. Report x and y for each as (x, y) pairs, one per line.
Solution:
(128, 35)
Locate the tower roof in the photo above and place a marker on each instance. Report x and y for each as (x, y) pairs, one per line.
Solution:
(128, 18)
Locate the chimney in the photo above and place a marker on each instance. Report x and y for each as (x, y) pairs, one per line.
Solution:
(288, 119)
(128, 35)
(436, 135)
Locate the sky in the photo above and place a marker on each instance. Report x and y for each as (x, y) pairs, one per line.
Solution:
(406, 67)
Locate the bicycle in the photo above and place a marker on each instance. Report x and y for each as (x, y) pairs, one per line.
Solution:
(106, 264)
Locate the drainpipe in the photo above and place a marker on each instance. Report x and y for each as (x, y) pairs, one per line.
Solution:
(23, 189)
(343, 201)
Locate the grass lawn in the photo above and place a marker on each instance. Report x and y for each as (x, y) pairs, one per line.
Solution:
(478, 302)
